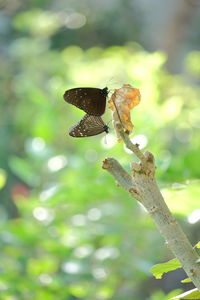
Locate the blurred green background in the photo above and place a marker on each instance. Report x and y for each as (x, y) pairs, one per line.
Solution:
(67, 231)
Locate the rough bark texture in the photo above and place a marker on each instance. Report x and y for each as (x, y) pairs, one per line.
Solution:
(142, 186)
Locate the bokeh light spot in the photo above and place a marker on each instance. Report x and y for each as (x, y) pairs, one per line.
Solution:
(43, 214)
(99, 273)
(139, 139)
(47, 193)
(83, 251)
(108, 141)
(71, 267)
(45, 279)
(106, 252)
(79, 220)
(94, 214)
(56, 163)
(75, 20)
(194, 217)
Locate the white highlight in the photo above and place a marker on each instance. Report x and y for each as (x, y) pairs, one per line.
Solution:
(44, 195)
(108, 141)
(71, 267)
(139, 139)
(194, 217)
(83, 251)
(94, 214)
(57, 162)
(38, 144)
(99, 273)
(43, 214)
(35, 146)
(106, 252)
(75, 20)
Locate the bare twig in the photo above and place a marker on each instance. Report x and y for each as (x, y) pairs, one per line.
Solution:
(134, 148)
(120, 175)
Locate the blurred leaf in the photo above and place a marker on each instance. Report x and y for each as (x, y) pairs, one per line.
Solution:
(41, 265)
(159, 269)
(192, 294)
(186, 280)
(159, 295)
(184, 194)
(24, 170)
(79, 291)
(197, 245)
(3, 177)
(192, 63)
(38, 22)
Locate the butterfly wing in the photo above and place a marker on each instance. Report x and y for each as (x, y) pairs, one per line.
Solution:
(88, 126)
(91, 100)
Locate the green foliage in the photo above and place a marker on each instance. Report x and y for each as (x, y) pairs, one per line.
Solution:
(192, 295)
(3, 177)
(197, 245)
(37, 22)
(73, 233)
(186, 280)
(158, 295)
(159, 269)
(187, 195)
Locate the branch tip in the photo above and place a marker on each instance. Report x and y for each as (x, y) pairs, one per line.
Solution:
(149, 157)
(106, 164)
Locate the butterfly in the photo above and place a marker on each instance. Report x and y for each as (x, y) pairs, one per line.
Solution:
(88, 126)
(91, 100)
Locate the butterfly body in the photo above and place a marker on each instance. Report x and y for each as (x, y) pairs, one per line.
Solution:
(90, 100)
(88, 126)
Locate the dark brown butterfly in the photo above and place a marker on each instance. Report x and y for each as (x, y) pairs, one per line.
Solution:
(91, 100)
(88, 126)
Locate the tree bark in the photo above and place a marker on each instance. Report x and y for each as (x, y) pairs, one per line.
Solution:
(142, 186)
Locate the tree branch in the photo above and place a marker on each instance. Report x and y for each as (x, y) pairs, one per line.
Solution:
(143, 187)
(120, 175)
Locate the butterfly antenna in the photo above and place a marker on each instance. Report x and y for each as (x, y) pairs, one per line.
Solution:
(109, 122)
(112, 80)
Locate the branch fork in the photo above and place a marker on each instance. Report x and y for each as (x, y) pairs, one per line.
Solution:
(142, 186)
